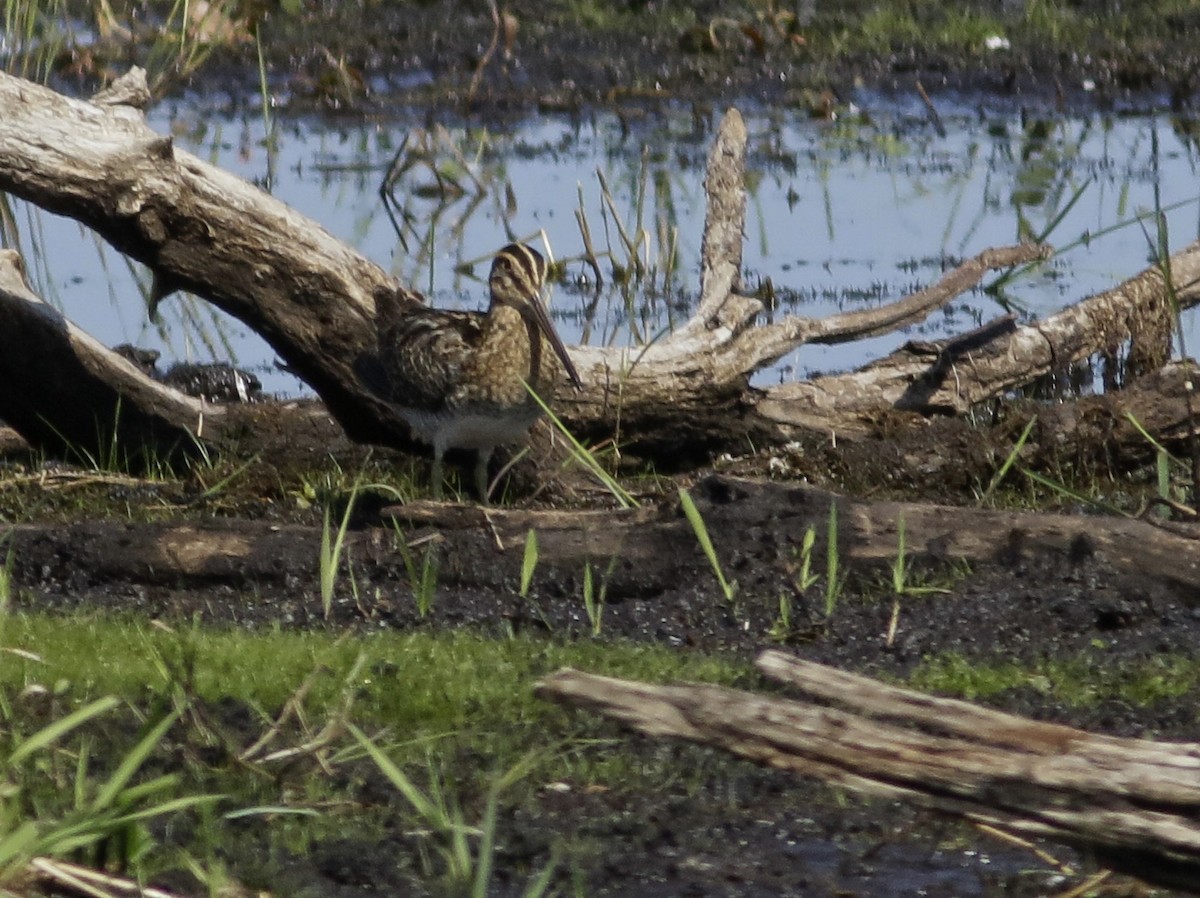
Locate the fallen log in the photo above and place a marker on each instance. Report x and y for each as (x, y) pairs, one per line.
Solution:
(200, 229)
(940, 378)
(53, 359)
(313, 299)
(1134, 802)
(649, 550)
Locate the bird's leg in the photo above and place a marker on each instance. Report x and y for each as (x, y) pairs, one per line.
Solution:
(481, 474)
(438, 475)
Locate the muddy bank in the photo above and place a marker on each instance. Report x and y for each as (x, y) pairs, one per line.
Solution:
(365, 58)
(1066, 627)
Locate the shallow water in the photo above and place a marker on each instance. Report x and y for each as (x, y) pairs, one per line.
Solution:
(841, 214)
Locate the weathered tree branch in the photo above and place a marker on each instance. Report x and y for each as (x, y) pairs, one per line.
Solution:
(313, 299)
(124, 407)
(935, 377)
(1134, 802)
(201, 229)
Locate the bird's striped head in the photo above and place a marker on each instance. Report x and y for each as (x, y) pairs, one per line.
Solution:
(518, 272)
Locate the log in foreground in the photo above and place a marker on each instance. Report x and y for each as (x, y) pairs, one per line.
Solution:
(1134, 802)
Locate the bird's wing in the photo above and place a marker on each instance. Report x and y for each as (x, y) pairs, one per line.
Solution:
(425, 352)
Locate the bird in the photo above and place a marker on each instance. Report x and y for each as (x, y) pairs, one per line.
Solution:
(462, 380)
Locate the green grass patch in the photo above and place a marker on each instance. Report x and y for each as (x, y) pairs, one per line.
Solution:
(1080, 681)
(290, 727)
(468, 689)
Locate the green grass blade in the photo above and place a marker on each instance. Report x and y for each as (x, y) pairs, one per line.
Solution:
(132, 761)
(328, 565)
(529, 561)
(1063, 212)
(1137, 425)
(52, 732)
(270, 810)
(427, 809)
(697, 521)
(81, 772)
(900, 562)
(20, 842)
(166, 807)
(832, 575)
(144, 790)
(1008, 461)
(541, 882)
(487, 848)
(1064, 490)
(581, 454)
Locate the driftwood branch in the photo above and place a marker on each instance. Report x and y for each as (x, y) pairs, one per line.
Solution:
(127, 408)
(659, 546)
(92, 406)
(313, 299)
(1136, 803)
(200, 229)
(939, 377)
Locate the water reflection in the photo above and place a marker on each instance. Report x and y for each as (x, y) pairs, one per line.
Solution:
(841, 214)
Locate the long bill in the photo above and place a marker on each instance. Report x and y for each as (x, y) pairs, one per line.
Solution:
(542, 318)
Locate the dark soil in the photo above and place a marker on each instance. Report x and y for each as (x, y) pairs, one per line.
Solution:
(742, 831)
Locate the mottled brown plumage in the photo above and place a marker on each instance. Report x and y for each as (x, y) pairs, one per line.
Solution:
(458, 378)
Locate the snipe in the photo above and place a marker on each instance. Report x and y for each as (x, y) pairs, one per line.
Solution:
(459, 378)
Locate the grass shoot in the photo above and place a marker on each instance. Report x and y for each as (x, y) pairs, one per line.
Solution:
(692, 513)
(422, 578)
(833, 577)
(331, 550)
(529, 562)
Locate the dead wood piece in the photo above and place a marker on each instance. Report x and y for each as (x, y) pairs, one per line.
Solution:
(1135, 802)
(131, 89)
(965, 719)
(1103, 427)
(87, 399)
(651, 550)
(912, 378)
(63, 878)
(725, 219)
(681, 399)
(868, 531)
(201, 229)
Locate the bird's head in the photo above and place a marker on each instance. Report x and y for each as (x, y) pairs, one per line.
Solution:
(518, 272)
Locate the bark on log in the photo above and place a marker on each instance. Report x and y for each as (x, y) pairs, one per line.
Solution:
(1102, 429)
(1134, 802)
(312, 298)
(656, 547)
(938, 377)
(79, 400)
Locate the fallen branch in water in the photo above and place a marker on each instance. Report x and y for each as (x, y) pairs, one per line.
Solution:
(313, 299)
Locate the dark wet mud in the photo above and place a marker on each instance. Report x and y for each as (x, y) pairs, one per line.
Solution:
(724, 827)
(452, 59)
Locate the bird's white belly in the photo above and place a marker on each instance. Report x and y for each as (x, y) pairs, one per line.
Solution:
(469, 430)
